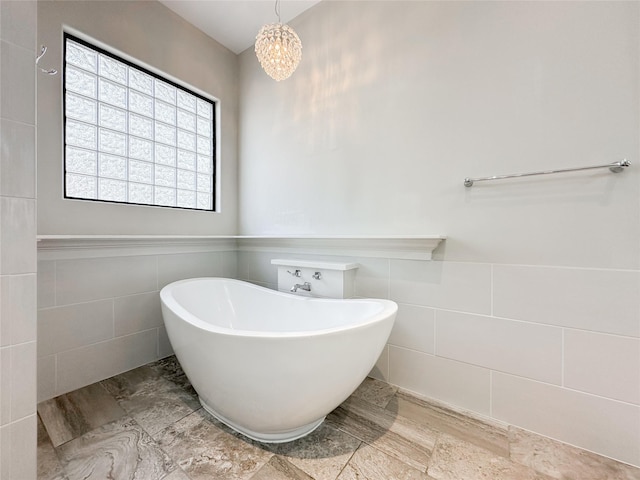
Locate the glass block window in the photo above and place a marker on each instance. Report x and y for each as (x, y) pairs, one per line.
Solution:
(131, 136)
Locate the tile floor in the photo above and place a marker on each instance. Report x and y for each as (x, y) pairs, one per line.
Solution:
(147, 424)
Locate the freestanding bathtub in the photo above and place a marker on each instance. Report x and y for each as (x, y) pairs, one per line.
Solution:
(272, 365)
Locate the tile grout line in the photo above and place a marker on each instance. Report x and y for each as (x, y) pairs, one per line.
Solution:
(389, 278)
(491, 290)
(350, 457)
(562, 355)
(491, 394)
(433, 452)
(435, 332)
(98, 300)
(55, 375)
(55, 283)
(388, 347)
(158, 343)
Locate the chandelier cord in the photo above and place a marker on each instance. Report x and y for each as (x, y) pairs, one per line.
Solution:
(277, 9)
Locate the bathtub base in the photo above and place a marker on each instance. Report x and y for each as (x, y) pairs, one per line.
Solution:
(281, 437)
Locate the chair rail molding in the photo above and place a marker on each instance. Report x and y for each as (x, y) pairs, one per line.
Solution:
(408, 247)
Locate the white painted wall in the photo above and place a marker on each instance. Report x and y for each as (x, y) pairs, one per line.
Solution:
(18, 24)
(531, 313)
(157, 38)
(395, 103)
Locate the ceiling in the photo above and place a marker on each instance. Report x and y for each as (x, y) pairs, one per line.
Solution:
(235, 23)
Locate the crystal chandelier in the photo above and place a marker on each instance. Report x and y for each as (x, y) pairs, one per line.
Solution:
(278, 48)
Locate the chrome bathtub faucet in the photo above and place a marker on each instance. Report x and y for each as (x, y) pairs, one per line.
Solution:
(306, 286)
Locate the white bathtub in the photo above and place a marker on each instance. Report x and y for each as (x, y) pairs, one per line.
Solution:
(272, 365)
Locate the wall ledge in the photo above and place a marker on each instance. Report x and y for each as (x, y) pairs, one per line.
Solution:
(60, 247)
(409, 247)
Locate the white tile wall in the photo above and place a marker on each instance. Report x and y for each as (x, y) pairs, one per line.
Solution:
(100, 316)
(414, 328)
(188, 265)
(164, 345)
(522, 344)
(17, 309)
(85, 365)
(526, 349)
(450, 285)
(19, 22)
(453, 340)
(18, 449)
(471, 350)
(17, 241)
(104, 278)
(72, 326)
(5, 388)
(447, 380)
(17, 235)
(23, 380)
(18, 159)
(381, 368)
(46, 377)
(372, 277)
(589, 299)
(599, 424)
(606, 365)
(46, 283)
(17, 75)
(135, 313)
(259, 268)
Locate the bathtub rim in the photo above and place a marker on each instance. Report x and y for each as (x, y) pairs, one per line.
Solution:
(389, 308)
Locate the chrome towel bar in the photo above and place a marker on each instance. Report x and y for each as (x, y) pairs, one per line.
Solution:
(615, 167)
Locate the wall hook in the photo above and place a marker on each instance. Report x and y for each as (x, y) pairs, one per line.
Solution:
(43, 50)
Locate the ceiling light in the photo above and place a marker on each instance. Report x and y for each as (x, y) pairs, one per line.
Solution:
(278, 48)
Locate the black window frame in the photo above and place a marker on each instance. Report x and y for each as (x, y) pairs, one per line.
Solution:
(129, 63)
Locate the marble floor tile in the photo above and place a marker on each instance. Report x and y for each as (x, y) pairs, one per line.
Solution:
(177, 474)
(154, 400)
(204, 450)
(407, 428)
(279, 468)
(49, 467)
(164, 374)
(491, 437)
(455, 459)
(322, 454)
(407, 444)
(565, 462)
(147, 424)
(374, 391)
(76, 413)
(155, 410)
(129, 383)
(170, 369)
(119, 450)
(371, 464)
